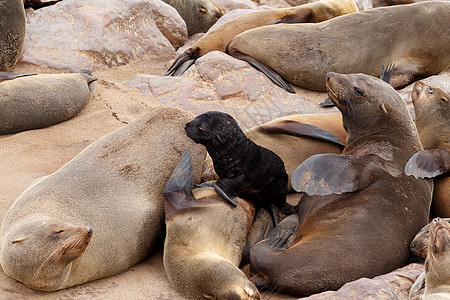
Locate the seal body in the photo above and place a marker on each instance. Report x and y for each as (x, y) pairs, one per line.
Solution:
(432, 115)
(204, 241)
(245, 169)
(38, 101)
(12, 33)
(359, 205)
(303, 53)
(115, 187)
(199, 15)
(218, 38)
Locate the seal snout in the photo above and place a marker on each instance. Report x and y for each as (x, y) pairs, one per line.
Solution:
(329, 75)
(89, 231)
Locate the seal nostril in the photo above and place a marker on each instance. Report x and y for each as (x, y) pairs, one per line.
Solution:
(89, 230)
(329, 75)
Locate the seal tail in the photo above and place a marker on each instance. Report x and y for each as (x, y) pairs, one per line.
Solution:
(178, 191)
(182, 63)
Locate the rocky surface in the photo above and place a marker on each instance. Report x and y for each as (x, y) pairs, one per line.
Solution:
(126, 47)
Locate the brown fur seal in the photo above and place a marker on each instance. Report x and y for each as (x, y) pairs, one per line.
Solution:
(205, 239)
(432, 111)
(38, 101)
(435, 282)
(351, 197)
(114, 186)
(218, 38)
(199, 15)
(303, 53)
(12, 33)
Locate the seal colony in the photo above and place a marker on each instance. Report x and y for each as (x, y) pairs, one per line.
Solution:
(115, 187)
(359, 194)
(30, 101)
(303, 53)
(218, 38)
(205, 239)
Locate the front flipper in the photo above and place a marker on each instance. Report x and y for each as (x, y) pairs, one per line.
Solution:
(182, 63)
(271, 74)
(10, 76)
(429, 163)
(386, 73)
(326, 174)
(300, 129)
(327, 102)
(228, 187)
(178, 191)
(303, 16)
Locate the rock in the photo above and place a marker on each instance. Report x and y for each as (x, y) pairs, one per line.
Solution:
(230, 5)
(220, 82)
(92, 34)
(394, 285)
(442, 80)
(364, 4)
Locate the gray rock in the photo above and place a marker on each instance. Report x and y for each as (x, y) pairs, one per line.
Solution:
(230, 5)
(92, 34)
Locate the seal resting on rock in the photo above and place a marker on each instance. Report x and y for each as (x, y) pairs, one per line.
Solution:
(199, 15)
(432, 115)
(12, 33)
(115, 187)
(204, 240)
(36, 101)
(245, 169)
(351, 197)
(218, 38)
(303, 53)
(434, 283)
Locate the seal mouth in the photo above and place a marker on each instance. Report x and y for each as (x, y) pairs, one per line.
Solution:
(417, 89)
(337, 94)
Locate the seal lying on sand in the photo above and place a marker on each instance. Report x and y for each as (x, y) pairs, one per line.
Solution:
(432, 111)
(37, 101)
(359, 194)
(199, 15)
(205, 239)
(245, 169)
(12, 33)
(434, 283)
(218, 38)
(114, 186)
(303, 53)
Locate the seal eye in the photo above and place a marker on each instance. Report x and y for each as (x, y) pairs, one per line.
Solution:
(200, 128)
(202, 10)
(358, 92)
(443, 99)
(55, 235)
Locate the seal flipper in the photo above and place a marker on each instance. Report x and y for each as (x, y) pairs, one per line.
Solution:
(429, 163)
(304, 16)
(326, 174)
(10, 76)
(327, 102)
(300, 129)
(36, 4)
(271, 74)
(228, 187)
(182, 63)
(178, 191)
(386, 73)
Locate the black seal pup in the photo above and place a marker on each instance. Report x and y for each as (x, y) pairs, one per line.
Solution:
(245, 169)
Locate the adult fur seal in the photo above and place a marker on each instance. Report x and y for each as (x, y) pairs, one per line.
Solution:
(205, 239)
(37, 101)
(12, 33)
(199, 15)
(303, 53)
(218, 38)
(351, 197)
(114, 186)
(434, 283)
(245, 169)
(432, 115)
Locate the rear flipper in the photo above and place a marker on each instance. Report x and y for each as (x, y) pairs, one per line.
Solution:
(227, 188)
(429, 163)
(10, 76)
(271, 74)
(303, 16)
(182, 63)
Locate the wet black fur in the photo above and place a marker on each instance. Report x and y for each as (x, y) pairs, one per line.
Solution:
(245, 169)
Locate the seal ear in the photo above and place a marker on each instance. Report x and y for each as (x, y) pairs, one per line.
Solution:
(326, 174)
(383, 108)
(429, 163)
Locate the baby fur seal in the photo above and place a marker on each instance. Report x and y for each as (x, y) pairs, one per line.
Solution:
(244, 168)
(204, 241)
(434, 283)
(199, 15)
(419, 245)
(432, 115)
(218, 38)
(36, 101)
(303, 53)
(359, 205)
(114, 186)
(12, 33)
